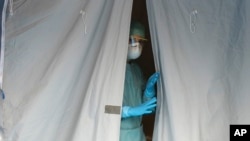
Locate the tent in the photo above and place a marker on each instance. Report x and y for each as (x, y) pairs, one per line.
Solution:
(63, 63)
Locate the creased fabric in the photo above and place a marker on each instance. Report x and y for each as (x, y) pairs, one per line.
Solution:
(64, 61)
(202, 50)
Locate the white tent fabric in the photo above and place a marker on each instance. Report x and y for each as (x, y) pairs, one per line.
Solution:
(64, 61)
(202, 49)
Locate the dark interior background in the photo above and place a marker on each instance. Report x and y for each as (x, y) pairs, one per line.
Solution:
(146, 61)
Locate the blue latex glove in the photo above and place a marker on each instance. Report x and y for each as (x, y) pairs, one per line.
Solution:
(145, 108)
(150, 87)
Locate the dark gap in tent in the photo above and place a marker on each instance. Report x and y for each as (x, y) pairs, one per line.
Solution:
(146, 60)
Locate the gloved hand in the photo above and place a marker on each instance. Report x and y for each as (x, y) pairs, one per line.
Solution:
(150, 87)
(144, 108)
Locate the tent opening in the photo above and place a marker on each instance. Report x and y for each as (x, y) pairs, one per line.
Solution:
(146, 60)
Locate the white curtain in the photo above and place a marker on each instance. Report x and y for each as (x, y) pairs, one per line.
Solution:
(201, 48)
(64, 62)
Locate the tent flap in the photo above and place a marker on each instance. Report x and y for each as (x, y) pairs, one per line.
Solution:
(201, 48)
(65, 60)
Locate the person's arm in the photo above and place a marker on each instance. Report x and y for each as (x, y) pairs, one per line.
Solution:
(145, 108)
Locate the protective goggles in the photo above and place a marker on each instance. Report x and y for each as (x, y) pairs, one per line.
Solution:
(134, 41)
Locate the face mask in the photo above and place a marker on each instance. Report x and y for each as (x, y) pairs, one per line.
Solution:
(134, 51)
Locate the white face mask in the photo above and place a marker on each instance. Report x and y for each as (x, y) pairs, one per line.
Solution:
(134, 51)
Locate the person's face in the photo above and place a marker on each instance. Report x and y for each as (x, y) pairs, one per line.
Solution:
(134, 48)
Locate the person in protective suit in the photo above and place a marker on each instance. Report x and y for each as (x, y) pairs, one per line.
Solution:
(138, 98)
